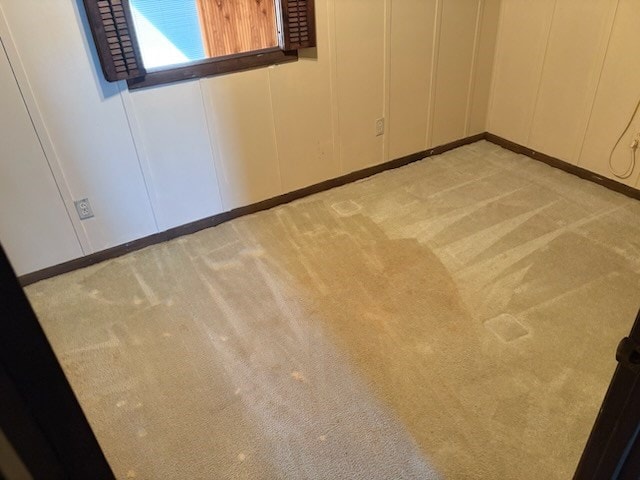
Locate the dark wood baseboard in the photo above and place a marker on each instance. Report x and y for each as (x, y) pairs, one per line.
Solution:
(208, 222)
(317, 188)
(562, 165)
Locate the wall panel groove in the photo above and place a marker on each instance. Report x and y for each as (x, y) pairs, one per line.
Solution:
(437, 28)
(386, 107)
(474, 67)
(540, 72)
(143, 158)
(594, 93)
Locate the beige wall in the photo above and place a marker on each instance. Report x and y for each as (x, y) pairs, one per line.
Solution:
(567, 78)
(157, 158)
(33, 216)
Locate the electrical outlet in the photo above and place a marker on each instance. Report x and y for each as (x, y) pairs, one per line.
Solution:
(379, 127)
(84, 209)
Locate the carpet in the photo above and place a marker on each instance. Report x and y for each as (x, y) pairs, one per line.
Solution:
(454, 318)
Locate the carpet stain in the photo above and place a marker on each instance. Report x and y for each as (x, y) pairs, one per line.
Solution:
(298, 377)
(386, 298)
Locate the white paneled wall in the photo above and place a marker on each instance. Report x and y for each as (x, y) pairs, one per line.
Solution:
(153, 159)
(243, 135)
(85, 119)
(522, 38)
(577, 41)
(483, 67)
(301, 96)
(413, 22)
(169, 126)
(32, 216)
(567, 79)
(454, 70)
(360, 66)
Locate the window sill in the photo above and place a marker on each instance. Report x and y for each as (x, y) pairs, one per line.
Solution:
(214, 66)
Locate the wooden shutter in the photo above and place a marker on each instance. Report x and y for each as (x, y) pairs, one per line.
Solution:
(297, 27)
(115, 38)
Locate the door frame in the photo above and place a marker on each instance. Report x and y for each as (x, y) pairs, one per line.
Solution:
(39, 413)
(613, 448)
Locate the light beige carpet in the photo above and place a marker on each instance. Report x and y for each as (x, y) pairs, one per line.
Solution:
(455, 318)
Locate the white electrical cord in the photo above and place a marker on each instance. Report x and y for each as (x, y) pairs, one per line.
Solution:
(634, 146)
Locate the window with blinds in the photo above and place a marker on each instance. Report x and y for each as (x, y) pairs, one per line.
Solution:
(168, 32)
(158, 41)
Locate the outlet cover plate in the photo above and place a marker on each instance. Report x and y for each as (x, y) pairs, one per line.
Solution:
(83, 207)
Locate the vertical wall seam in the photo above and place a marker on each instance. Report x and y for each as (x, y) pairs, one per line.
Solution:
(212, 149)
(141, 153)
(536, 99)
(275, 133)
(497, 61)
(474, 67)
(434, 72)
(221, 175)
(333, 83)
(42, 134)
(386, 108)
(579, 148)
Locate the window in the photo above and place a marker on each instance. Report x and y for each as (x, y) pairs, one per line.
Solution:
(148, 42)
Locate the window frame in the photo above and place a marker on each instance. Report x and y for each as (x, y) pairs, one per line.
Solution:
(114, 35)
(210, 67)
